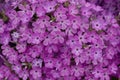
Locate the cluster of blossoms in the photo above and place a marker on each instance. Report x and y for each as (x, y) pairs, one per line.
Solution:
(59, 39)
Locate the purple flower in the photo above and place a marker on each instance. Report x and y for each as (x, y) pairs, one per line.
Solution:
(66, 60)
(35, 51)
(15, 36)
(4, 72)
(63, 24)
(75, 22)
(42, 22)
(58, 37)
(111, 52)
(40, 11)
(49, 63)
(113, 68)
(98, 73)
(35, 38)
(25, 14)
(92, 37)
(82, 37)
(13, 77)
(12, 14)
(55, 74)
(52, 49)
(77, 71)
(54, 27)
(97, 56)
(114, 40)
(57, 63)
(1, 74)
(84, 24)
(99, 24)
(69, 78)
(65, 71)
(33, 1)
(77, 50)
(13, 58)
(4, 38)
(99, 44)
(70, 31)
(21, 47)
(60, 13)
(47, 40)
(49, 6)
(17, 68)
(7, 51)
(72, 41)
(24, 74)
(2, 26)
(38, 29)
(36, 73)
(73, 10)
(37, 63)
(85, 11)
(80, 59)
(61, 1)
(24, 57)
(25, 34)
(77, 2)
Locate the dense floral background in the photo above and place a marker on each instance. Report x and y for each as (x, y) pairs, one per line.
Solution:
(59, 39)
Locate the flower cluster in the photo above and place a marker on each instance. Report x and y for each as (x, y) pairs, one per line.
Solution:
(59, 39)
